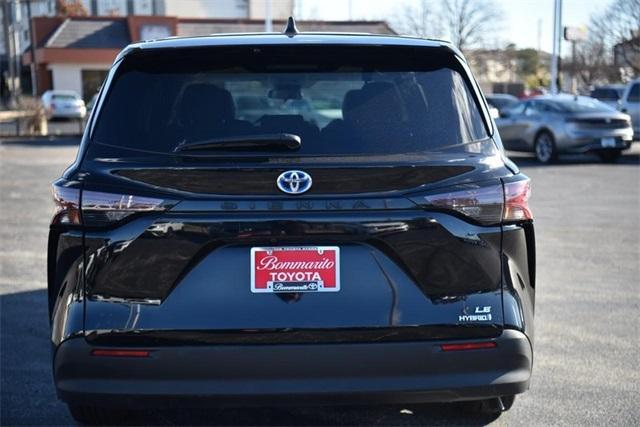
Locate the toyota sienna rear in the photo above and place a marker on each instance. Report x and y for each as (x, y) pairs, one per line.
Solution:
(285, 219)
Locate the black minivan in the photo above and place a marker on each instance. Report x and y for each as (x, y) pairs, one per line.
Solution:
(355, 234)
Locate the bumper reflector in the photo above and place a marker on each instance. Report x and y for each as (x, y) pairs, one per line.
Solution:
(120, 353)
(468, 346)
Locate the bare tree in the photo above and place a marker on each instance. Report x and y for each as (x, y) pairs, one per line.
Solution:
(470, 23)
(620, 26)
(593, 61)
(419, 19)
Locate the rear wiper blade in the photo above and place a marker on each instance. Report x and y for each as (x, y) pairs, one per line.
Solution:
(271, 141)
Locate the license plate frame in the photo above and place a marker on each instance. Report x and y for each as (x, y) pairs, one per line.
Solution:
(323, 260)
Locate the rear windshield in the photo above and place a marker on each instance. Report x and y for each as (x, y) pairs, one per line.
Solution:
(63, 97)
(337, 100)
(582, 105)
(501, 102)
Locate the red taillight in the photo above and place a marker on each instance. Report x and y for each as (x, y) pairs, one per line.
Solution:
(67, 205)
(481, 203)
(98, 208)
(103, 208)
(487, 204)
(120, 353)
(516, 200)
(468, 346)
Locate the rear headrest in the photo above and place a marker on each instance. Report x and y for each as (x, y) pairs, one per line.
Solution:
(201, 101)
(376, 103)
(352, 99)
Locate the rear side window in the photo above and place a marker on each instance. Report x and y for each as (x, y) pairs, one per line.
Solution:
(338, 100)
(634, 93)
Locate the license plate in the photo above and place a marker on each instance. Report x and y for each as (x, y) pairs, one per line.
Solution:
(295, 269)
(608, 142)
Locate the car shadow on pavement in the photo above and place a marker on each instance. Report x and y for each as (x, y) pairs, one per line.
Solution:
(27, 393)
(28, 396)
(361, 415)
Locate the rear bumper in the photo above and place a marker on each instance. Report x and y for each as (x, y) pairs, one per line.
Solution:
(77, 114)
(391, 372)
(593, 145)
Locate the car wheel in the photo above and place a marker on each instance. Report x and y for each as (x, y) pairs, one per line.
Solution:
(98, 416)
(493, 406)
(545, 148)
(610, 156)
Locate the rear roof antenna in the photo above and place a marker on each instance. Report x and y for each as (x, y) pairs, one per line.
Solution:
(291, 29)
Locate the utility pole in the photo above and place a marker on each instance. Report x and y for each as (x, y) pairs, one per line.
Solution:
(17, 48)
(557, 25)
(574, 69)
(32, 49)
(539, 35)
(5, 32)
(559, 41)
(9, 51)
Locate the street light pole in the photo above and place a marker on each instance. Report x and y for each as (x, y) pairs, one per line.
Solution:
(268, 21)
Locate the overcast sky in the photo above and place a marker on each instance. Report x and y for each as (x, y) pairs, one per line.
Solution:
(520, 17)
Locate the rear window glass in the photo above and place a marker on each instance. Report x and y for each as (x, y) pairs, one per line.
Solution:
(581, 105)
(501, 102)
(634, 93)
(338, 100)
(606, 94)
(59, 97)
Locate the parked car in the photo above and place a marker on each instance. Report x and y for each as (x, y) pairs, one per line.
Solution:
(609, 94)
(501, 101)
(92, 102)
(630, 104)
(361, 261)
(551, 125)
(63, 104)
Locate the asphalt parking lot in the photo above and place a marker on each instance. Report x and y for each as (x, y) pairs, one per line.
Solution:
(55, 127)
(587, 320)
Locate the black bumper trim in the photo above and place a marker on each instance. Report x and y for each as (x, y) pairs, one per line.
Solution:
(295, 374)
(291, 335)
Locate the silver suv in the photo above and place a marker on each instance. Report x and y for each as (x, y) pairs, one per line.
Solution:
(630, 104)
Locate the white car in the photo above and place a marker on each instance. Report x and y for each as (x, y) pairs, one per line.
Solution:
(630, 104)
(63, 104)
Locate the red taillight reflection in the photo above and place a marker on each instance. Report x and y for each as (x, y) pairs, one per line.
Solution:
(516, 197)
(120, 353)
(468, 346)
(67, 205)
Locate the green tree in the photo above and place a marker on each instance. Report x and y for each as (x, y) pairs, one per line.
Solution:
(528, 62)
